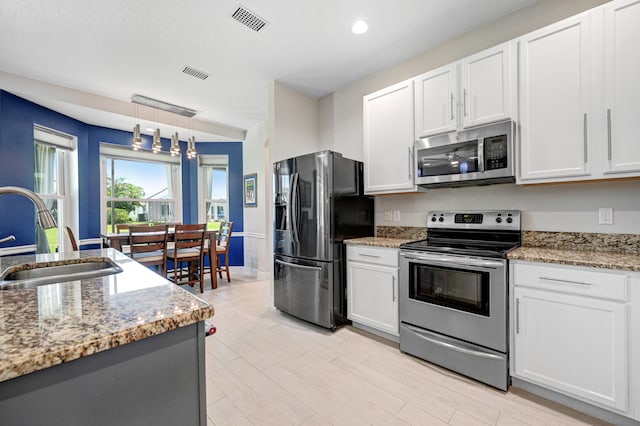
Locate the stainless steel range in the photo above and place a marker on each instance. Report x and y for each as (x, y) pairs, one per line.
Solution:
(453, 292)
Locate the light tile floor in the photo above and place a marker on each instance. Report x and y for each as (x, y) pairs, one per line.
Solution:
(267, 368)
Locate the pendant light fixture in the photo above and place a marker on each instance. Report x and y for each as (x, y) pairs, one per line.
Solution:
(191, 150)
(175, 145)
(156, 147)
(137, 138)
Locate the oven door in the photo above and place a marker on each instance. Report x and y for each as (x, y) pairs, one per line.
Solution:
(461, 297)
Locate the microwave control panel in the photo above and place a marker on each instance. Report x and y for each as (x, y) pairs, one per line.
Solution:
(495, 152)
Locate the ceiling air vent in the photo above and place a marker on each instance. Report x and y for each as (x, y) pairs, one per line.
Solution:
(248, 18)
(195, 73)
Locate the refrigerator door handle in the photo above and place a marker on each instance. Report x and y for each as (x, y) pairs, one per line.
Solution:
(293, 203)
(295, 265)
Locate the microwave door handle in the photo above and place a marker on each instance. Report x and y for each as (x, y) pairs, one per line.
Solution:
(481, 155)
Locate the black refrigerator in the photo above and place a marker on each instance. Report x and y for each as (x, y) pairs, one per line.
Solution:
(319, 202)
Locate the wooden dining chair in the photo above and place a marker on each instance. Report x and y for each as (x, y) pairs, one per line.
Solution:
(222, 248)
(72, 239)
(149, 246)
(189, 248)
(124, 228)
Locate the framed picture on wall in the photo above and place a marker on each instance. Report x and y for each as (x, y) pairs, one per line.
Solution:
(250, 190)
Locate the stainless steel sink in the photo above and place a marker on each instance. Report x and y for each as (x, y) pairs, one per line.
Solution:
(35, 274)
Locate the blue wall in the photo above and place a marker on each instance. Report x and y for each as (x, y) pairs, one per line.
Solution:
(17, 117)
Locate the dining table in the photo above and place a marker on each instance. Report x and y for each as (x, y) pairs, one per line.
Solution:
(117, 240)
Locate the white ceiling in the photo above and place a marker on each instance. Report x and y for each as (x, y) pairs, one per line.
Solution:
(117, 48)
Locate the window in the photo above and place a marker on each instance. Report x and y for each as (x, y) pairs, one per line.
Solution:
(139, 187)
(214, 189)
(55, 180)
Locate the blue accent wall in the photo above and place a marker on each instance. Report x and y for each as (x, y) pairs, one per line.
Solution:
(17, 162)
(17, 117)
(236, 208)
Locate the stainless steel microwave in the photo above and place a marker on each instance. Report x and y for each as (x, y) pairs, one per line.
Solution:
(479, 156)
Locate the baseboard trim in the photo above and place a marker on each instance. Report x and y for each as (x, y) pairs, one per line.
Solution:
(583, 407)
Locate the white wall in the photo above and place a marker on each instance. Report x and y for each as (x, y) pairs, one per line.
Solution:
(294, 119)
(257, 259)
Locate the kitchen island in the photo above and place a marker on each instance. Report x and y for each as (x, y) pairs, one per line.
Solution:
(126, 348)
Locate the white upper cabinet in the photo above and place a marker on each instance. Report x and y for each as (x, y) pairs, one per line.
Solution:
(388, 139)
(486, 86)
(579, 91)
(467, 93)
(622, 86)
(436, 99)
(555, 100)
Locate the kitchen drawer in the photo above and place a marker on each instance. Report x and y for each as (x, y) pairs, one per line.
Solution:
(571, 279)
(376, 255)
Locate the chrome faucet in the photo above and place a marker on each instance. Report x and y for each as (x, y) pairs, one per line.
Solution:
(45, 218)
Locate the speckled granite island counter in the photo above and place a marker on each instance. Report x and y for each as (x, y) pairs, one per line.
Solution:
(126, 348)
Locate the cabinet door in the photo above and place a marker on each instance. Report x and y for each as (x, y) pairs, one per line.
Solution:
(555, 101)
(573, 344)
(388, 139)
(486, 86)
(372, 296)
(436, 98)
(622, 86)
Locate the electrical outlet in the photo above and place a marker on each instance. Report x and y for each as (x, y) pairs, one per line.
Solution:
(396, 215)
(605, 216)
(387, 215)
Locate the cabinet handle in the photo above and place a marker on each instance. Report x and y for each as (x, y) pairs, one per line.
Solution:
(565, 281)
(393, 288)
(410, 161)
(452, 106)
(517, 316)
(584, 132)
(464, 102)
(369, 255)
(609, 133)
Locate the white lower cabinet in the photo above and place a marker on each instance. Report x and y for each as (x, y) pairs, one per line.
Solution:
(372, 287)
(569, 332)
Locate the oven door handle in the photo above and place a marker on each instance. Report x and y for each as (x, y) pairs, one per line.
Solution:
(421, 334)
(456, 261)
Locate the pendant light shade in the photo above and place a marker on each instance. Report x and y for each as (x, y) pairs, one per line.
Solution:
(157, 143)
(175, 146)
(191, 150)
(137, 138)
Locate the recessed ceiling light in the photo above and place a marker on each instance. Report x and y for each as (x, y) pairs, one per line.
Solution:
(359, 27)
(149, 129)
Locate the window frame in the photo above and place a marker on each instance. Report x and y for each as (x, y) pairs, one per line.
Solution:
(119, 152)
(67, 179)
(205, 163)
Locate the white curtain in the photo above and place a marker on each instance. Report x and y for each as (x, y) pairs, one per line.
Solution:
(45, 157)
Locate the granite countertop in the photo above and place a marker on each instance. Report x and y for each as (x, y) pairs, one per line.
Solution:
(378, 241)
(45, 326)
(594, 259)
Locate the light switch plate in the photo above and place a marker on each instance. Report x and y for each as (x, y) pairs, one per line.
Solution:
(388, 215)
(605, 216)
(396, 215)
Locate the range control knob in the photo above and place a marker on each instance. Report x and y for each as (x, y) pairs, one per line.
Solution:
(433, 219)
(441, 219)
(498, 220)
(509, 220)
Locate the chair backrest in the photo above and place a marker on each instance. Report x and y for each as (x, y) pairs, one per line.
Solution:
(146, 239)
(120, 227)
(72, 238)
(189, 236)
(224, 234)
